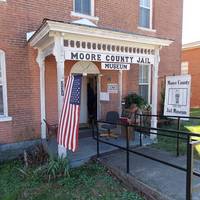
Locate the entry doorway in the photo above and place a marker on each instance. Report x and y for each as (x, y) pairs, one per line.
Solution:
(88, 108)
(90, 91)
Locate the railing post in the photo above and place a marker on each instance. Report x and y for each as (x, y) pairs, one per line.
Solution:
(98, 154)
(189, 169)
(177, 139)
(127, 151)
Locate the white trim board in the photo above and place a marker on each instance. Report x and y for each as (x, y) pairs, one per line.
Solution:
(4, 83)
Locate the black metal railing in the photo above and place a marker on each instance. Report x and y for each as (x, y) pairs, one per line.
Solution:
(178, 119)
(177, 135)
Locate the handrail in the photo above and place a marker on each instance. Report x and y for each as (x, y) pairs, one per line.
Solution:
(156, 131)
(152, 128)
(169, 116)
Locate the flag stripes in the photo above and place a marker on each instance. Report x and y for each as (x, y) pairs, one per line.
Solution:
(69, 120)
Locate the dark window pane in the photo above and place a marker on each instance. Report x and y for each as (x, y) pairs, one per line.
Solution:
(144, 17)
(1, 100)
(78, 6)
(144, 91)
(86, 6)
(83, 6)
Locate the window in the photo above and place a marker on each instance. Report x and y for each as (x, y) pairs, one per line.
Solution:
(83, 6)
(144, 82)
(3, 86)
(145, 14)
(184, 68)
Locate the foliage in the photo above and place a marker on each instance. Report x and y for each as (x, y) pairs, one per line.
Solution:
(89, 182)
(162, 101)
(57, 168)
(134, 99)
(53, 169)
(195, 112)
(36, 156)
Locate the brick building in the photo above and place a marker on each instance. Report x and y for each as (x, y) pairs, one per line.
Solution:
(191, 65)
(36, 39)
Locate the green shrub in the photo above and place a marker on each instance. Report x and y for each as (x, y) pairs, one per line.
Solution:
(53, 169)
(134, 99)
(58, 168)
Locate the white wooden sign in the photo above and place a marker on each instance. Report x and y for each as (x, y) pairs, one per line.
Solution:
(177, 96)
(113, 88)
(104, 96)
(111, 57)
(115, 66)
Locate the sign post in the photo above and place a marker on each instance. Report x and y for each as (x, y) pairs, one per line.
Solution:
(177, 96)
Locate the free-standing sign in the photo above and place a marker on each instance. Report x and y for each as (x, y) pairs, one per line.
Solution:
(123, 58)
(115, 66)
(177, 96)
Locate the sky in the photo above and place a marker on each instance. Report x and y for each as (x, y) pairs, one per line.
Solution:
(191, 21)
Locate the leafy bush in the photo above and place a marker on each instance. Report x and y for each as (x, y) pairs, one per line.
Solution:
(58, 168)
(134, 99)
(35, 156)
(162, 101)
(53, 169)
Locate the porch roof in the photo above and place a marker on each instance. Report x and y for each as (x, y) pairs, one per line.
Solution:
(50, 27)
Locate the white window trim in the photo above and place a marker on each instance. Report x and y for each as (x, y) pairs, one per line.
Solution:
(151, 18)
(149, 83)
(75, 14)
(4, 117)
(90, 17)
(146, 29)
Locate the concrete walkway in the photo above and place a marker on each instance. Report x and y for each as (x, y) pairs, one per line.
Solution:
(166, 180)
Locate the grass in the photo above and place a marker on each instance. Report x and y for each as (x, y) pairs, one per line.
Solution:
(90, 182)
(169, 144)
(195, 112)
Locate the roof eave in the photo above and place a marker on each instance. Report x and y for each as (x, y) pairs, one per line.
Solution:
(67, 28)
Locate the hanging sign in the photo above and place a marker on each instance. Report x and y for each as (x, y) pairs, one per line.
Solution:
(104, 96)
(177, 96)
(122, 58)
(115, 66)
(62, 88)
(113, 88)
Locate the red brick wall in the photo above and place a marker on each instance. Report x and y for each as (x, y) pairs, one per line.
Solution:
(192, 56)
(21, 16)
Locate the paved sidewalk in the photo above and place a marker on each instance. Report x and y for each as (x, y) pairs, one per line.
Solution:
(166, 180)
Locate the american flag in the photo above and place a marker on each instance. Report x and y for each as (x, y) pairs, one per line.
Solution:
(69, 121)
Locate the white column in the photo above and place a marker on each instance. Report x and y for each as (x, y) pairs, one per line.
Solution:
(120, 91)
(60, 61)
(41, 63)
(155, 92)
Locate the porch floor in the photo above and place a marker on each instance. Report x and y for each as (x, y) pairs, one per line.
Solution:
(88, 146)
(165, 180)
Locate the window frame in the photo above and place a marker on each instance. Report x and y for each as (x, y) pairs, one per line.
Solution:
(4, 117)
(91, 9)
(150, 17)
(149, 81)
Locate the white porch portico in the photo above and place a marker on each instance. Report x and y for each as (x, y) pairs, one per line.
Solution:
(68, 41)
